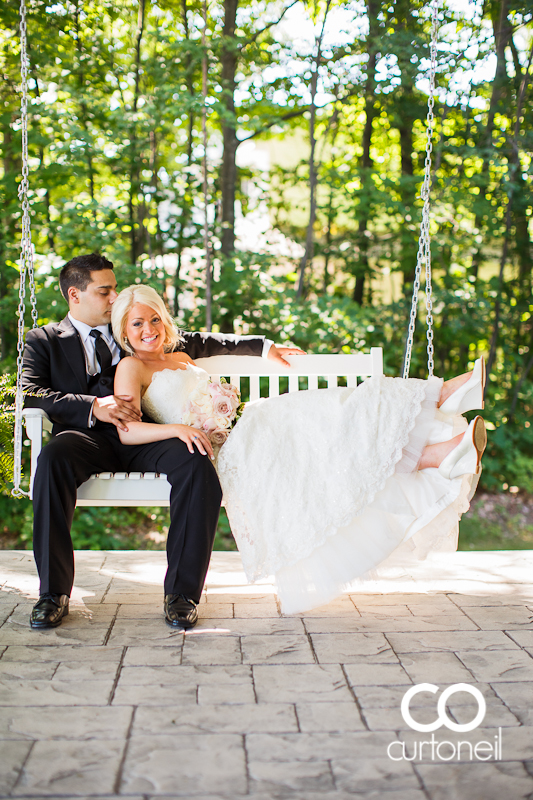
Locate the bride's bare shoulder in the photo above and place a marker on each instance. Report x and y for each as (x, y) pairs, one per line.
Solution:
(130, 366)
(181, 358)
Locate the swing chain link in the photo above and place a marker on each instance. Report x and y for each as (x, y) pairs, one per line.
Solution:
(424, 241)
(26, 256)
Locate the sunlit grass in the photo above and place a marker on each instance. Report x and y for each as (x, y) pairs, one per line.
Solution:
(498, 522)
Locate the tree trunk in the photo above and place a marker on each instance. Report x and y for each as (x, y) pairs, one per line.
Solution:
(366, 163)
(327, 248)
(498, 302)
(522, 196)
(185, 206)
(228, 176)
(205, 175)
(502, 31)
(159, 247)
(521, 205)
(407, 111)
(134, 154)
(83, 106)
(523, 377)
(514, 166)
(307, 257)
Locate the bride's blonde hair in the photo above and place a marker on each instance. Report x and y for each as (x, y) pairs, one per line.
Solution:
(148, 297)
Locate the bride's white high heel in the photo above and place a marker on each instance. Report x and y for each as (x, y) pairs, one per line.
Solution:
(470, 395)
(465, 459)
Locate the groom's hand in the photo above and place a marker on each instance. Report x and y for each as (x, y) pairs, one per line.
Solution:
(116, 409)
(278, 354)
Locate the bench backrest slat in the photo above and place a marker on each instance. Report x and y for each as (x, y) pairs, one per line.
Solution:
(246, 372)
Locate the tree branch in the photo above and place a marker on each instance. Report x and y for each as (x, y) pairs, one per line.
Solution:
(257, 34)
(296, 113)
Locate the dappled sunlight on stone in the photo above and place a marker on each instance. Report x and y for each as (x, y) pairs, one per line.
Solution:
(259, 704)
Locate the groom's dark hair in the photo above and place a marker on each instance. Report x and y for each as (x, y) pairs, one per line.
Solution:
(77, 271)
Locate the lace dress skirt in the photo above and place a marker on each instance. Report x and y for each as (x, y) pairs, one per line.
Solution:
(321, 486)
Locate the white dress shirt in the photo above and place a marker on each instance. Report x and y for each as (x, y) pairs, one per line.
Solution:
(91, 364)
(267, 344)
(92, 367)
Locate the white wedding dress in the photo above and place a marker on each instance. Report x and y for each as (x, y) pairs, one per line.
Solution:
(321, 486)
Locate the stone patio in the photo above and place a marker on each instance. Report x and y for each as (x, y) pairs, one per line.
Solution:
(250, 704)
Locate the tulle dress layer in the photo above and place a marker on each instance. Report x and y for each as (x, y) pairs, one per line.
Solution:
(321, 486)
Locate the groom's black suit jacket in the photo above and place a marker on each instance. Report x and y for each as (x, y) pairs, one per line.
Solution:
(55, 377)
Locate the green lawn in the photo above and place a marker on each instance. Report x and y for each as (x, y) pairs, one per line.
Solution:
(498, 522)
(495, 522)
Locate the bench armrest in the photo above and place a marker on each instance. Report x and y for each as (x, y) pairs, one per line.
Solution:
(30, 414)
(36, 421)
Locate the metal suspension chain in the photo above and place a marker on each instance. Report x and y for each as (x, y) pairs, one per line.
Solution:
(424, 241)
(26, 255)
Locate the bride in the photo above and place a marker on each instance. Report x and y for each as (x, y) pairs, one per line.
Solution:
(320, 486)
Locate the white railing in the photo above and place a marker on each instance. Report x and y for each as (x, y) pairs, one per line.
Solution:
(256, 377)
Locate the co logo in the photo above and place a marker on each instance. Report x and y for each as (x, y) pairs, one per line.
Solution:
(442, 716)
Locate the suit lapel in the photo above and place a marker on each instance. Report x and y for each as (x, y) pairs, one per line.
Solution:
(73, 350)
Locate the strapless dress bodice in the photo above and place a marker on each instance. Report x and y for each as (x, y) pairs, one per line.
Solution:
(167, 395)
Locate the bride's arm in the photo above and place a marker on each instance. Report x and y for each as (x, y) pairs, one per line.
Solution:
(129, 382)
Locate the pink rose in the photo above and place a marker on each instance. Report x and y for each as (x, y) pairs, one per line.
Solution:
(229, 390)
(209, 425)
(214, 389)
(218, 437)
(222, 406)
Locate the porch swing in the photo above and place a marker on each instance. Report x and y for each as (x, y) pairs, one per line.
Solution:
(153, 489)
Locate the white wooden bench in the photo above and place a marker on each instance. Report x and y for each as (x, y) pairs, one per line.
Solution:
(151, 489)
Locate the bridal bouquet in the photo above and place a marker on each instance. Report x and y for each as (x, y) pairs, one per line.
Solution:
(214, 408)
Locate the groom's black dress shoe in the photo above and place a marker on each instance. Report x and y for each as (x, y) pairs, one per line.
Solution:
(180, 612)
(49, 611)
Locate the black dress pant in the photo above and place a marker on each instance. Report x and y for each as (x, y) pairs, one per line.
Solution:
(72, 456)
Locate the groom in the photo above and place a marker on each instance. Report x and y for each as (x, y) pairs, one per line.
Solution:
(69, 371)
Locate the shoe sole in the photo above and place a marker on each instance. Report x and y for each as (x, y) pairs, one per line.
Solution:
(43, 626)
(479, 437)
(483, 384)
(181, 625)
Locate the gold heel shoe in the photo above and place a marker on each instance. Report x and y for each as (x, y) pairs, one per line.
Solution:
(465, 459)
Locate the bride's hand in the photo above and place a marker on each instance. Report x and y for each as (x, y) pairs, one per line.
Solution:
(193, 436)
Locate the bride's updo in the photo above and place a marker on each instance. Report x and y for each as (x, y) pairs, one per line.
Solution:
(148, 297)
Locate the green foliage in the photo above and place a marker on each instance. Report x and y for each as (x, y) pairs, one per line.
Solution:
(7, 415)
(498, 522)
(17, 523)
(223, 538)
(102, 528)
(92, 529)
(116, 154)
